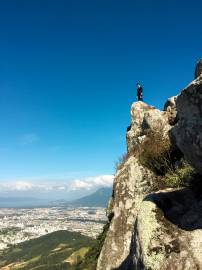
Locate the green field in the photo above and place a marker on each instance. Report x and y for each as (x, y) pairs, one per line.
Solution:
(54, 251)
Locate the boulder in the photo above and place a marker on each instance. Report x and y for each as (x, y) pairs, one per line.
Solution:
(188, 130)
(145, 118)
(170, 108)
(168, 232)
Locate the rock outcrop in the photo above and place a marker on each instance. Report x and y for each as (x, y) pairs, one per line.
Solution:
(159, 230)
(131, 183)
(170, 108)
(198, 70)
(168, 232)
(188, 130)
(145, 118)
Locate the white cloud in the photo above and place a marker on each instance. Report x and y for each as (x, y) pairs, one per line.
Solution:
(22, 186)
(28, 138)
(19, 186)
(61, 188)
(92, 182)
(87, 184)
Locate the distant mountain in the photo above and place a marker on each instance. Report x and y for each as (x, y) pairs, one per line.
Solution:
(99, 198)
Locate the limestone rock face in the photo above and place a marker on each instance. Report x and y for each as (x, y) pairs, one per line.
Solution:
(188, 130)
(170, 108)
(169, 238)
(157, 230)
(143, 119)
(198, 70)
(170, 104)
(131, 183)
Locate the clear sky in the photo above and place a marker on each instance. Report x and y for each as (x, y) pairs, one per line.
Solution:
(68, 73)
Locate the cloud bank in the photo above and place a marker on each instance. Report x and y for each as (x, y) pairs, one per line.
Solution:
(86, 184)
(92, 182)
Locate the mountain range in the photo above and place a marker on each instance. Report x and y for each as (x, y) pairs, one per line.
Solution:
(98, 198)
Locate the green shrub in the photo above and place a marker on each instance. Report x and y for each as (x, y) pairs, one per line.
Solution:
(90, 260)
(181, 177)
(157, 153)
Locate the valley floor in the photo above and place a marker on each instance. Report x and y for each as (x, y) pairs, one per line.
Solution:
(19, 225)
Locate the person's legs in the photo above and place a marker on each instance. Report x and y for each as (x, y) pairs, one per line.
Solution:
(139, 98)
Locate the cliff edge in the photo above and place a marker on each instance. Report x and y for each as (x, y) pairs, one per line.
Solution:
(155, 213)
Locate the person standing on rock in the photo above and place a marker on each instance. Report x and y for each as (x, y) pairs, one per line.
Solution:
(139, 92)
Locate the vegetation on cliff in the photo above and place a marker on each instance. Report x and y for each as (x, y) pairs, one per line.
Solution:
(166, 161)
(89, 262)
(157, 152)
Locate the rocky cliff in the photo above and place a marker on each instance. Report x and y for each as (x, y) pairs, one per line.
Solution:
(155, 213)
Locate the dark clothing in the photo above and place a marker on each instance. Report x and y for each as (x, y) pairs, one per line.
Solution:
(140, 93)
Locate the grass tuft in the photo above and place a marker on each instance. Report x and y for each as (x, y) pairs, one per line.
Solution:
(156, 153)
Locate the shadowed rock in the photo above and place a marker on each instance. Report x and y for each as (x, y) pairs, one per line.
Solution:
(188, 130)
(198, 70)
(168, 233)
(181, 207)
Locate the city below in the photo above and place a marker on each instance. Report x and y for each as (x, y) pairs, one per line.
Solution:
(21, 224)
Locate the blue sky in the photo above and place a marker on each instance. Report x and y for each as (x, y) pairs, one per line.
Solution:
(68, 72)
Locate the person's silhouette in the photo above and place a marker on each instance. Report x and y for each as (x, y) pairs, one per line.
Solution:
(139, 92)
